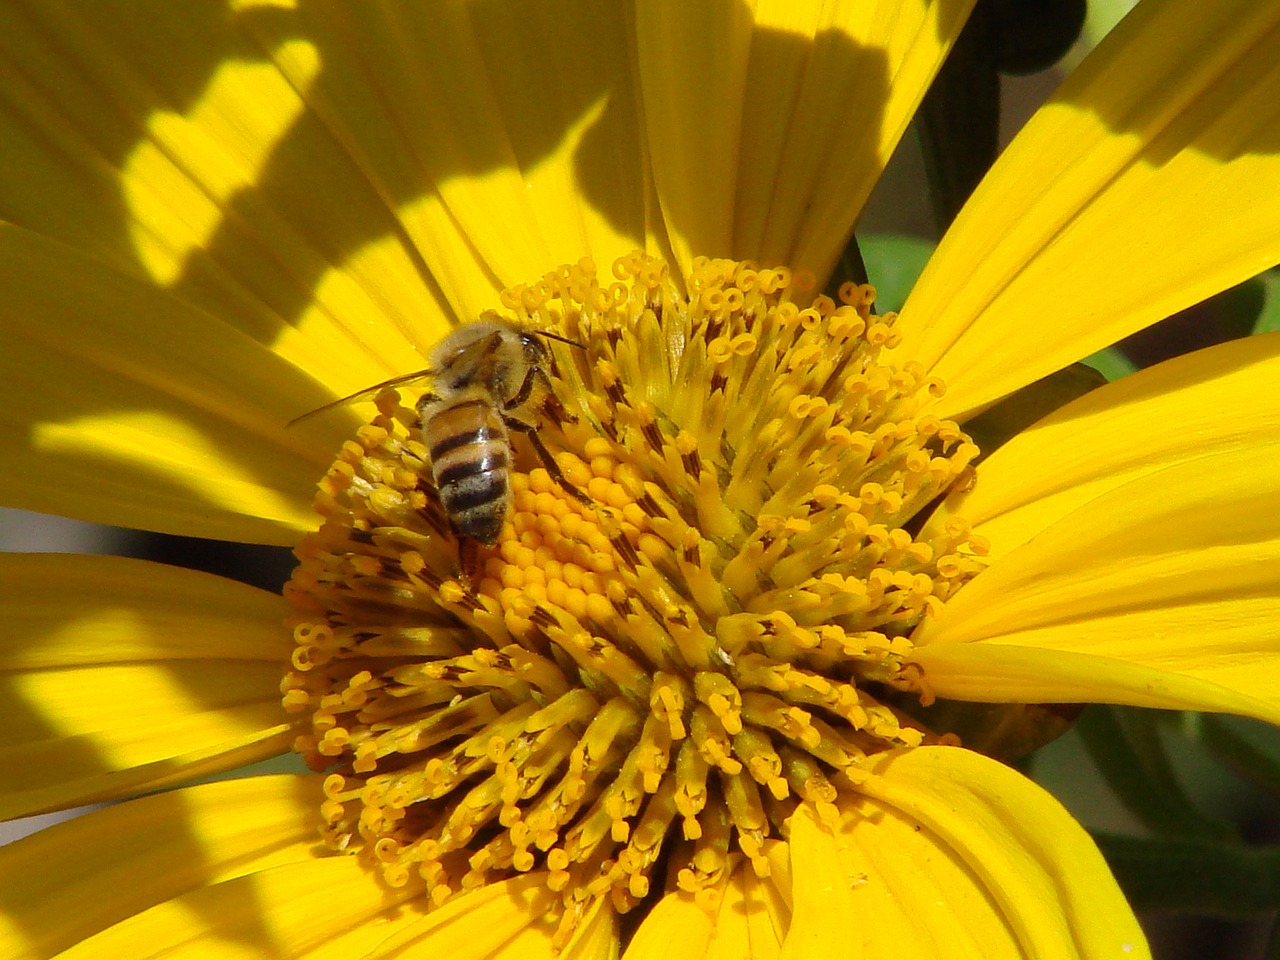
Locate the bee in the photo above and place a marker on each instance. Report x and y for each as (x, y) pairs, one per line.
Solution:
(484, 378)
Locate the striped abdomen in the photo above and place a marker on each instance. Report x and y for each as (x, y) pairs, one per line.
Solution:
(470, 460)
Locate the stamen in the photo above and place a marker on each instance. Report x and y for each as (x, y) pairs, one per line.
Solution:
(666, 669)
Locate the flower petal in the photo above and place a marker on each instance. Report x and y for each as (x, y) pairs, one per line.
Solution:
(505, 138)
(172, 148)
(767, 141)
(74, 879)
(823, 893)
(752, 921)
(676, 918)
(1149, 182)
(1160, 592)
(504, 921)
(953, 855)
(596, 936)
(61, 610)
(907, 892)
(328, 907)
(958, 855)
(1202, 402)
(125, 406)
(121, 675)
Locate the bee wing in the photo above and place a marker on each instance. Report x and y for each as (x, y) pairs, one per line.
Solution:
(364, 394)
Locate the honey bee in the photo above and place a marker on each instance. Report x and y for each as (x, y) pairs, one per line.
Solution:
(484, 379)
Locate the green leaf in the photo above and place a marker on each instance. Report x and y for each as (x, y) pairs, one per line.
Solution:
(1126, 747)
(1103, 16)
(1111, 363)
(1269, 316)
(1200, 876)
(894, 263)
(1223, 740)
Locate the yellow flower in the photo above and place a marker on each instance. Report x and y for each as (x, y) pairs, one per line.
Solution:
(218, 219)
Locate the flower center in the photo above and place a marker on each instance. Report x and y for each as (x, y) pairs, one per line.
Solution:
(662, 662)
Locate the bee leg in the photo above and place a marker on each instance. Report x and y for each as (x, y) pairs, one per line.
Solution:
(553, 468)
(551, 405)
(468, 560)
(526, 387)
(554, 410)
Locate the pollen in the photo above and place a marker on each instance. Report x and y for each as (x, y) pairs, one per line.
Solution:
(635, 686)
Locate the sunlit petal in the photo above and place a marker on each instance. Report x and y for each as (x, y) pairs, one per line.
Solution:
(1149, 182)
(167, 144)
(498, 159)
(121, 676)
(794, 111)
(505, 921)
(752, 920)
(62, 610)
(74, 879)
(1203, 402)
(317, 908)
(979, 861)
(884, 888)
(1159, 592)
(676, 918)
(125, 405)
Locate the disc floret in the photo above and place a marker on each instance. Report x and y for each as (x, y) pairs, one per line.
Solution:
(670, 668)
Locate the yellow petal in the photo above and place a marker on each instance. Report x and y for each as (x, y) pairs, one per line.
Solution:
(61, 610)
(766, 141)
(171, 148)
(74, 879)
(327, 907)
(752, 921)
(503, 921)
(97, 733)
(596, 936)
(1160, 592)
(1150, 181)
(826, 908)
(125, 406)
(121, 675)
(958, 855)
(884, 888)
(676, 918)
(505, 138)
(1211, 400)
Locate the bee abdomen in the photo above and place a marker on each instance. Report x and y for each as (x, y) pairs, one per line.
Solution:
(475, 496)
(447, 444)
(471, 468)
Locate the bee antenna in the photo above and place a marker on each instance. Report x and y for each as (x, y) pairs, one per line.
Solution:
(556, 336)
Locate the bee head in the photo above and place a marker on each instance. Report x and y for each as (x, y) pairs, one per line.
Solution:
(535, 349)
(538, 335)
